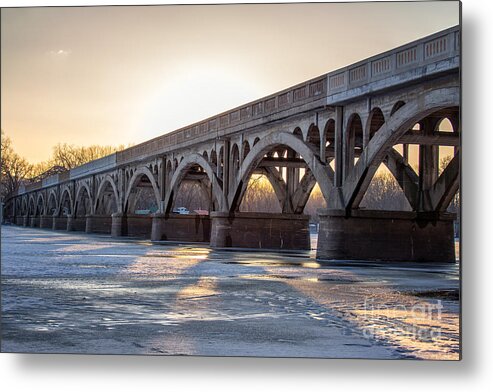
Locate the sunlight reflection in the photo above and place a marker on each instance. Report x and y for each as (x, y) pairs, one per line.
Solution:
(164, 265)
(392, 317)
(204, 287)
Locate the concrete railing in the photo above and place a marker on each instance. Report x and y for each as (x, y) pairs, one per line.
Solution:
(96, 166)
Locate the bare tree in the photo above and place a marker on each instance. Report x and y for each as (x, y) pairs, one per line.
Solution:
(14, 168)
(70, 156)
(259, 196)
(315, 202)
(385, 193)
(191, 196)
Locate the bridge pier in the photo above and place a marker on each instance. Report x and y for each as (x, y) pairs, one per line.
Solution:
(260, 230)
(78, 223)
(89, 223)
(59, 223)
(70, 223)
(25, 220)
(45, 222)
(118, 224)
(386, 235)
(34, 221)
(99, 224)
(139, 225)
(176, 227)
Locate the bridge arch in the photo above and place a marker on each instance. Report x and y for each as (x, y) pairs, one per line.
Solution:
(213, 158)
(40, 205)
(404, 119)
(328, 137)
(235, 160)
(445, 124)
(313, 136)
(52, 203)
(66, 202)
(353, 141)
(31, 207)
(107, 181)
(298, 133)
(396, 107)
(273, 141)
(24, 208)
(245, 150)
(181, 171)
(138, 174)
(374, 122)
(83, 190)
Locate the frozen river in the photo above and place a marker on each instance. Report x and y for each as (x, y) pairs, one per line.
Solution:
(79, 293)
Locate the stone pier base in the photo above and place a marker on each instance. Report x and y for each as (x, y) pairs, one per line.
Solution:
(59, 223)
(260, 230)
(118, 224)
(89, 223)
(79, 223)
(176, 227)
(34, 221)
(98, 224)
(70, 223)
(385, 235)
(139, 225)
(45, 222)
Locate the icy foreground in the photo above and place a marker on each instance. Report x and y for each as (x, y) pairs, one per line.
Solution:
(78, 293)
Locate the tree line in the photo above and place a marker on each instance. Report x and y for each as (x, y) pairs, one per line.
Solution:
(17, 170)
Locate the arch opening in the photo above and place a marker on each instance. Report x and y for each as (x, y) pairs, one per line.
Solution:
(313, 136)
(65, 204)
(260, 196)
(83, 203)
(245, 149)
(396, 107)
(106, 202)
(384, 193)
(330, 140)
(298, 133)
(235, 160)
(354, 142)
(51, 206)
(376, 120)
(39, 210)
(194, 188)
(194, 193)
(142, 197)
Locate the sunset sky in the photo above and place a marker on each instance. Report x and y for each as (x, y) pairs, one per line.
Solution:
(120, 75)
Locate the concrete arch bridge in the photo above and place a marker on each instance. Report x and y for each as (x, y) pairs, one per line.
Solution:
(335, 131)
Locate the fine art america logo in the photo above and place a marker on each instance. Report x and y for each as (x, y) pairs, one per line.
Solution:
(419, 321)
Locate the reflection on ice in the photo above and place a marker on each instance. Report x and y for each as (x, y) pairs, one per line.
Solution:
(76, 293)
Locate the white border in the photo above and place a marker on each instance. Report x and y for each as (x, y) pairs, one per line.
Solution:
(117, 373)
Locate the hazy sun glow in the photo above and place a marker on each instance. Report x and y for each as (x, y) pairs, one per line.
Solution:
(122, 75)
